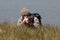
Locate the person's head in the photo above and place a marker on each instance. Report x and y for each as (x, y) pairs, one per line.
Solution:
(24, 11)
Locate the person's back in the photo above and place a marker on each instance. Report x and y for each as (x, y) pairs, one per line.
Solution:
(28, 19)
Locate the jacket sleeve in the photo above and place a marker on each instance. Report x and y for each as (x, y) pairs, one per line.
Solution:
(19, 21)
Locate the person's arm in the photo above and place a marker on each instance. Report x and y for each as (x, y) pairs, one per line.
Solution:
(25, 20)
(19, 21)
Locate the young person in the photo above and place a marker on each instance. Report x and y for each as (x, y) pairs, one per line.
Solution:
(23, 19)
(29, 18)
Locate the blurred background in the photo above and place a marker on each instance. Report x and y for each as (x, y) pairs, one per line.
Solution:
(48, 9)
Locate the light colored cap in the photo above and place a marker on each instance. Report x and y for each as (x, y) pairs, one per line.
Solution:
(24, 11)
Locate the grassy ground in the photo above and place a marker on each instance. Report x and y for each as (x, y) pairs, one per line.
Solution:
(12, 32)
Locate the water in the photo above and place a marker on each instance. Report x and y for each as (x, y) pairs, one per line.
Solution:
(48, 9)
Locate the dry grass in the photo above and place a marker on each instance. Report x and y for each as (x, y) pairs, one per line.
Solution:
(12, 32)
